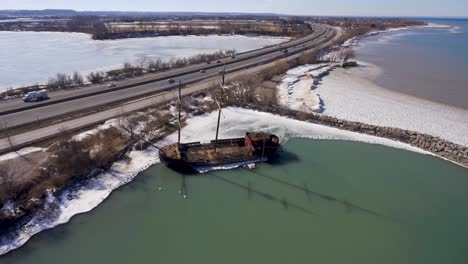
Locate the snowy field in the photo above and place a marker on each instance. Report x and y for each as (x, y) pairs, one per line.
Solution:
(34, 57)
(234, 123)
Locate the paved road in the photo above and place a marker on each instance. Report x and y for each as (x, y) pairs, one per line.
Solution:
(203, 81)
(18, 105)
(88, 99)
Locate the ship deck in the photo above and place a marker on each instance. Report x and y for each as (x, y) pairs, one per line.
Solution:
(209, 154)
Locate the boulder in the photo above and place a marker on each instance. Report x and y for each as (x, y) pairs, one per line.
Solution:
(348, 64)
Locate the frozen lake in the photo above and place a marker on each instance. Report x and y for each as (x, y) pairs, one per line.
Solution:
(33, 57)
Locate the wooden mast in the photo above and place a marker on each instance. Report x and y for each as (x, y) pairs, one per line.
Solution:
(178, 117)
(217, 126)
(219, 110)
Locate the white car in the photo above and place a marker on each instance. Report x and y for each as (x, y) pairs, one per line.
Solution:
(111, 85)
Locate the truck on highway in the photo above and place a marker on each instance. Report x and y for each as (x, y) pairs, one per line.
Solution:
(36, 96)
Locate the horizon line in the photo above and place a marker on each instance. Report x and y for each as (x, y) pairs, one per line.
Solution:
(244, 13)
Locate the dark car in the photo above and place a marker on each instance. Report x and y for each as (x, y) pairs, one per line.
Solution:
(171, 81)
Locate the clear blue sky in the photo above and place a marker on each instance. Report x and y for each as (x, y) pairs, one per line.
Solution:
(451, 8)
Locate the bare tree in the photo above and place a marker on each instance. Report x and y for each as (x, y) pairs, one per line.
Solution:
(63, 80)
(127, 65)
(6, 182)
(155, 65)
(77, 79)
(72, 157)
(129, 125)
(96, 77)
(142, 61)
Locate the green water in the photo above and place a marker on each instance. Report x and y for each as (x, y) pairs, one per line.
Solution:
(325, 202)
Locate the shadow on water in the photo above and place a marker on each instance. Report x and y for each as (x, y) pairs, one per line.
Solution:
(285, 157)
(268, 196)
(309, 193)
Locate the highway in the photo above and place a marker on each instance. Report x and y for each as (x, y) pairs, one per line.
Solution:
(139, 93)
(59, 96)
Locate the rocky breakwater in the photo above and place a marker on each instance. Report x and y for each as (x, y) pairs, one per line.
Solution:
(436, 145)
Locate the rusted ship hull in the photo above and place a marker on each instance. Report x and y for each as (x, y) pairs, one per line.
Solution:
(223, 153)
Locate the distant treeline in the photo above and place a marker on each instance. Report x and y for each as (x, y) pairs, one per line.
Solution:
(101, 28)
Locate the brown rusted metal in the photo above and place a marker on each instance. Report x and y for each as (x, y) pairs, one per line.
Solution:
(253, 147)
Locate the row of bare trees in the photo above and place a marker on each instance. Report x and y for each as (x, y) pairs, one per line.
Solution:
(64, 81)
(143, 64)
(148, 64)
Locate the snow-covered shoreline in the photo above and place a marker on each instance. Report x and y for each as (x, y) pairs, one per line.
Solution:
(351, 94)
(296, 88)
(235, 122)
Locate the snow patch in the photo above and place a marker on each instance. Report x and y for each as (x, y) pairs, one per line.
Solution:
(296, 90)
(237, 121)
(21, 152)
(108, 124)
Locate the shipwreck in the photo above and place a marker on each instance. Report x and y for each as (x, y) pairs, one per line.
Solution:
(218, 154)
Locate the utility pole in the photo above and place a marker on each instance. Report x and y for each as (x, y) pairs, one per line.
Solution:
(224, 73)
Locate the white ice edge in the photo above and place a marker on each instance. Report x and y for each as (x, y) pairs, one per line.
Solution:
(296, 90)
